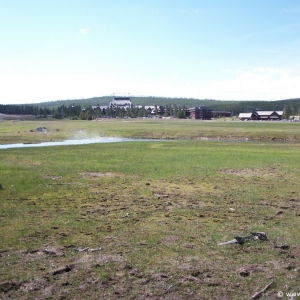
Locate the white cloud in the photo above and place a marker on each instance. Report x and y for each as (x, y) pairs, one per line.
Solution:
(261, 83)
(84, 30)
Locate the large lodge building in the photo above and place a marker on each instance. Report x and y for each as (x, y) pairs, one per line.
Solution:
(201, 112)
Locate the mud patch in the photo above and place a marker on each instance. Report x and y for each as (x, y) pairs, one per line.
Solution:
(99, 174)
(169, 240)
(99, 259)
(5, 287)
(252, 171)
(34, 285)
(36, 255)
(247, 270)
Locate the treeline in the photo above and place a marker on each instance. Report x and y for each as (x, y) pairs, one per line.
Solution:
(76, 112)
(89, 113)
(10, 109)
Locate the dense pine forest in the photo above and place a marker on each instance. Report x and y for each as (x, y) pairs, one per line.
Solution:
(82, 108)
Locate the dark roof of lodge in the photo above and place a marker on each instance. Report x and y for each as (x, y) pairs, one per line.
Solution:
(122, 98)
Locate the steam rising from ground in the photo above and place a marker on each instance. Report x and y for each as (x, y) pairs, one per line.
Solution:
(82, 134)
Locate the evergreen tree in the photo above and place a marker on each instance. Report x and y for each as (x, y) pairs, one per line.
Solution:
(285, 113)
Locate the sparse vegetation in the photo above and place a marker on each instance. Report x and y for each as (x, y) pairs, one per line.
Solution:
(157, 209)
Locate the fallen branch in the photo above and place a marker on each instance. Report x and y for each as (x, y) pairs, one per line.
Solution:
(259, 294)
(242, 239)
(161, 196)
(88, 249)
(81, 249)
(93, 250)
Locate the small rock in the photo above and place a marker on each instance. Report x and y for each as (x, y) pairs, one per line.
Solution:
(1, 187)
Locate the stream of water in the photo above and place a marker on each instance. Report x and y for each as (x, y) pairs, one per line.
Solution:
(72, 142)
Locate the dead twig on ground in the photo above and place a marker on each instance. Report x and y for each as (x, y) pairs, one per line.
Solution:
(259, 294)
(242, 239)
(88, 249)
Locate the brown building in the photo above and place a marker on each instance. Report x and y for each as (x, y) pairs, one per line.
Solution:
(200, 113)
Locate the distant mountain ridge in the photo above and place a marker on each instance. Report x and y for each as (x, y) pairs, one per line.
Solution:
(135, 101)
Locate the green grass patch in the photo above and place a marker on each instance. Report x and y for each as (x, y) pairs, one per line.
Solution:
(25, 131)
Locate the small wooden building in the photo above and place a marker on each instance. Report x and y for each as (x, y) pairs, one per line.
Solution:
(269, 115)
(247, 116)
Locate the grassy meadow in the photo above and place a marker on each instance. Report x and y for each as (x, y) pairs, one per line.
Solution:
(157, 210)
(25, 131)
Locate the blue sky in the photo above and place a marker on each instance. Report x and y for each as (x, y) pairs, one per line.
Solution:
(226, 50)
